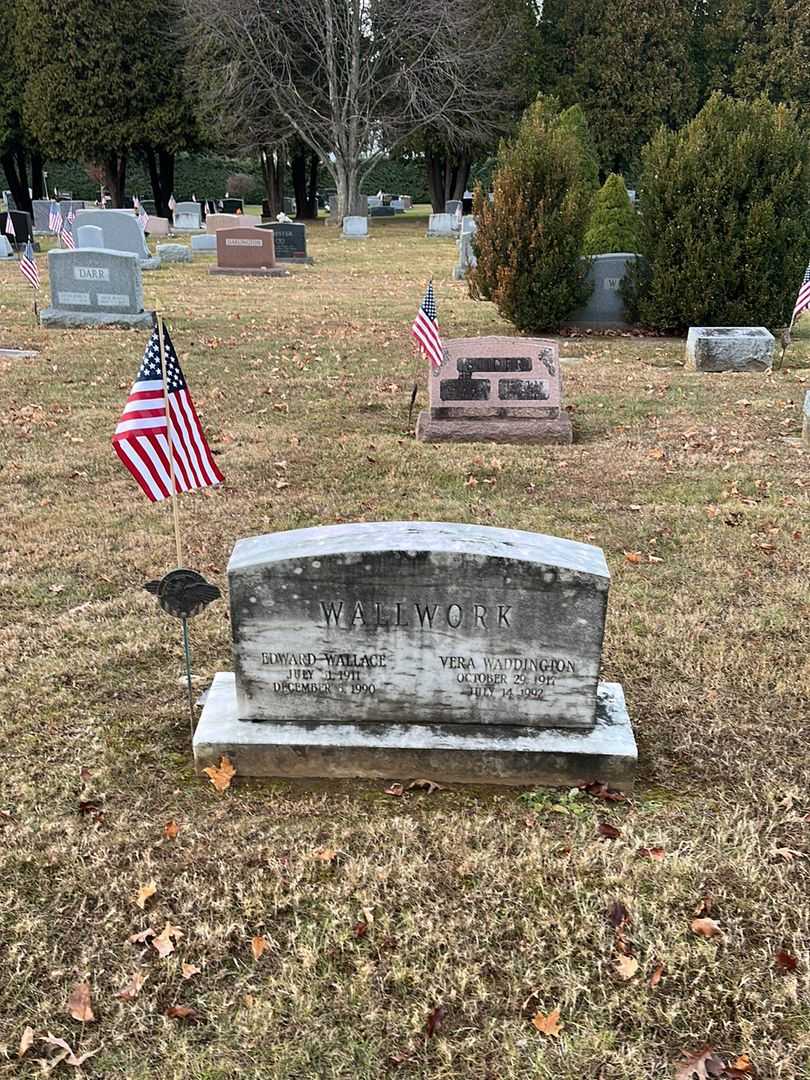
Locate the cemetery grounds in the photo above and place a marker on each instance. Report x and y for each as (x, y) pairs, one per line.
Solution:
(335, 930)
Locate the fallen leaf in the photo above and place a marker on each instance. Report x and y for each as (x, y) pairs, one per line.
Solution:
(133, 987)
(183, 1012)
(607, 830)
(327, 855)
(435, 1019)
(548, 1025)
(655, 978)
(618, 915)
(785, 962)
(395, 789)
(258, 946)
(360, 929)
(26, 1042)
(632, 557)
(144, 892)
(67, 1054)
(221, 777)
(170, 830)
(656, 853)
(700, 1065)
(707, 928)
(601, 791)
(188, 971)
(163, 943)
(743, 1064)
(79, 1005)
(428, 785)
(142, 936)
(626, 966)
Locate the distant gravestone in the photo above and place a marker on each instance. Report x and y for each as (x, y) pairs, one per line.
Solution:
(246, 251)
(466, 256)
(407, 201)
(121, 233)
(174, 253)
(229, 221)
(204, 244)
(381, 211)
(355, 227)
(231, 206)
(441, 225)
(730, 348)
(42, 211)
(157, 226)
(89, 236)
(8, 200)
(6, 250)
(451, 206)
(374, 201)
(410, 649)
(95, 287)
(23, 227)
(604, 309)
(187, 217)
(290, 239)
(496, 389)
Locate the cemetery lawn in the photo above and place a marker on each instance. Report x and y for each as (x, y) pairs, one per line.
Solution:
(373, 910)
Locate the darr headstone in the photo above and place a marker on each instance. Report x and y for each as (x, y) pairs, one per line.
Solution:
(95, 287)
(408, 649)
(121, 233)
(496, 389)
(246, 251)
(290, 239)
(730, 348)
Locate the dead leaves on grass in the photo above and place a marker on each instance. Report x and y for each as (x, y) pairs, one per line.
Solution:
(548, 1024)
(705, 1064)
(183, 1012)
(144, 893)
(706, 927)
(64, 1053)
(221, 777)
(26, 1042)
(626, 966)
(79, 1005)
(163, 943)
(258, 945)
(133, 987)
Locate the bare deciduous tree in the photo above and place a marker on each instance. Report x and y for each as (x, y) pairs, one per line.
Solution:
(353, 79)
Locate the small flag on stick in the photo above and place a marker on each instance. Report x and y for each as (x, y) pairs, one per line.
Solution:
(172, 202)
(425, 330)
(28, 266)
(10, 230)
(803, 299)
(143, 218)
(66, 237)
(55, 218)
(153, 417)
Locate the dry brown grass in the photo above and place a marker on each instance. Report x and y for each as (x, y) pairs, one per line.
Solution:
(481, 902)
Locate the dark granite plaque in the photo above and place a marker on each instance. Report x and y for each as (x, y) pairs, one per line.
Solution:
(494, 363)
(464, 390)
(290, 240)
(523, 390)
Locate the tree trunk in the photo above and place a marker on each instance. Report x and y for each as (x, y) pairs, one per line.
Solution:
(160, 165)
(37, 177)
(312, 188)
(115, 178)
(13, 163)
(273, 175)
(447, 177)
(298, 167)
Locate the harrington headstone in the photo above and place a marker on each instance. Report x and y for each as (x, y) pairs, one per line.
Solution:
(121, 233)
(496, 389)
(441, 225)
(730, 348)
(604, 309)
(290, 239)
(246, 251)
(409, 649)
(95, 287)
(187, 217)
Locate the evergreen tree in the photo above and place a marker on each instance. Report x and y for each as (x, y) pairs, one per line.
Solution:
(627, 64)
(774, 53)
(573, 119)
(614, 223)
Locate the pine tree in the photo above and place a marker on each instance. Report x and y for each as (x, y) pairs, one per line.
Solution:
(614, 223)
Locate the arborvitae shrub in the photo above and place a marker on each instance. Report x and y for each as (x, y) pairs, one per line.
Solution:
(573, 119)
(725, 224)
(614, 223)
(529, 239)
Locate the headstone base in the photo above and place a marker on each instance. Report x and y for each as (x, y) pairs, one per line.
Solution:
(269, 271)
(494, 429)
(296, 260)
(465, 754)
(150, 264)
(730, 348)
(61, 319)
(205, 242)
(174, 253)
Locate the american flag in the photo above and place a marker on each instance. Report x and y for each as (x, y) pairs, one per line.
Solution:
(10, 230)
(172, 203)
(28, 266)
(143, 218)
(136, 202)
(141, 437)
(55, 218)
(803, 299)
(71, 216)
(66, 237)
(425, 330)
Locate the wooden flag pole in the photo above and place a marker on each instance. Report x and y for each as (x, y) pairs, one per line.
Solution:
(170, 440)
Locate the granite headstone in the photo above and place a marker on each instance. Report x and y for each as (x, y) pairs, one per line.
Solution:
(121, 233)
(187, 217)
(247, 251)
(95, 287)
(355, 227)
(730, 348)
(290, 238)
(441, 225)
(604, 309)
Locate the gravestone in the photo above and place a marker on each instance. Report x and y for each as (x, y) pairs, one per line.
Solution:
(467, 203)
(149, 206)
(246, 251)
(174, 253)
(290, 239)
(187, 217)
(466, 256)
(398, 205)
(806, 419)
(205, 243)
(42, 210)
(496, 389)
(89, 236)
(231, 205)
(451, 206)
(23, 227)
(157, 226)
(604, 309)
(374, 201)
(441, 225)
(355, 227)
(409, 649)
(407, 201)
(730, 348)
(8, 200)
(6, 250)
(121, 233)
(229, 221)
(95, 287)
(382, 211)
